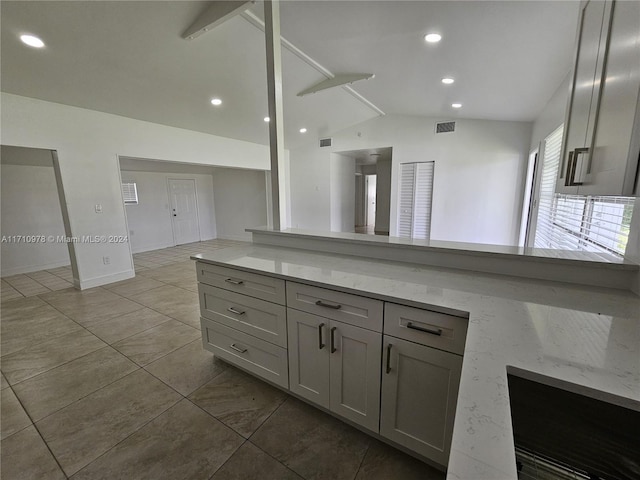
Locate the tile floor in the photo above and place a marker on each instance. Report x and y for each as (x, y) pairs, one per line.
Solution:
(112, 382)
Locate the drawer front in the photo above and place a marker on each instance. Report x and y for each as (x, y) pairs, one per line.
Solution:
(256, 317)
(445, 332)
(344, 307)
(254, 285)
(261, 358)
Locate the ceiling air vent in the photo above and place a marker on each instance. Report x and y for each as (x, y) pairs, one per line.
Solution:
(444, 127)
(325, 142)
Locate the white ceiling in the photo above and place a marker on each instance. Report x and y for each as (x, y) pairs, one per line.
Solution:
(128, 58)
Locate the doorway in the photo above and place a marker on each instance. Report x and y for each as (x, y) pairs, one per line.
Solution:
(370, 182)
(184, 211)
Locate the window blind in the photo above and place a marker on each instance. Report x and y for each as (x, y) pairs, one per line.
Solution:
(416, 192)
(575, 222)
(130, 193)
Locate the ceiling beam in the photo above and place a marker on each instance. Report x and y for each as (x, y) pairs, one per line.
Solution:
(337, 81)
(218, 13)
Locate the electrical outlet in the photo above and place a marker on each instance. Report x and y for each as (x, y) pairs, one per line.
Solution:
(106, 260)
(98, 208)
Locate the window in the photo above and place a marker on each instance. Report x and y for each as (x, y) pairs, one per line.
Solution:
(416, 187)
(574, 222)
(130, 193)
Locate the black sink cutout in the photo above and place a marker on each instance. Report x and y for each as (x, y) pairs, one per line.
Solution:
(590, 431)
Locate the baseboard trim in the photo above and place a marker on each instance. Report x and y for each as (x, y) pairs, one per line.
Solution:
(105, 279)
(240, 238)
(32, 268)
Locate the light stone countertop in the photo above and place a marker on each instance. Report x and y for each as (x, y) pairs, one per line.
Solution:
(587, 336)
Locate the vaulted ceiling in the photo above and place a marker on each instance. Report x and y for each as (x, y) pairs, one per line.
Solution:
(128, 58)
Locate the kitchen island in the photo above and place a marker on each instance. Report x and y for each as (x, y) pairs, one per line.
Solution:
(588, 336)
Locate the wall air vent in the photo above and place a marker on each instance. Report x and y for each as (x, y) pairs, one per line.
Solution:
(325, 142)
(445, 127)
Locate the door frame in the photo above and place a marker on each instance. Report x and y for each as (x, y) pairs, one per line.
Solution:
(195, 192)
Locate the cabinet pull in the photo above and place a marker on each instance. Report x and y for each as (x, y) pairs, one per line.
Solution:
(388, 369)
(320, 303)
(567, 175)
(333, 340)
(237, 349)
(320, 344)
(233, 310)
(570, 181)
(437, 331)
(234, 281)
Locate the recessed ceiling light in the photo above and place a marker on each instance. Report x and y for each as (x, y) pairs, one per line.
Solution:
(32, 41)
(456, 105)
(267, 119)
(303, 130)
(216, 101)
(448, 80)
(433, 37)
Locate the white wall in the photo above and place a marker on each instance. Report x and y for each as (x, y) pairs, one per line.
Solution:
(479, 172)
(88, 144)
(552, 115)
(240, 202)
(342, 192)
(30, 206)
(150, 220)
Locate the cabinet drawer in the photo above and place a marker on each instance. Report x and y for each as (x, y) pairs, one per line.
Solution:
(256, 317)
(439, 330)
(261, 358)
(254, 285)
(344, 307)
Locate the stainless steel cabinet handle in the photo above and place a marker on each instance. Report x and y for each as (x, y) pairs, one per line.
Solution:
(567, 175)
(320, 344)
(437, 331)
(333, 340)
(233, 310)
(320, 303)
(237, 349)
(388, 369)
(234, 281)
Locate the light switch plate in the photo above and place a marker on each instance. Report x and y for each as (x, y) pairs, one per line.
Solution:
(98, 208)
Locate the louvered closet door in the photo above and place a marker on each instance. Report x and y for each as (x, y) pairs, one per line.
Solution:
(416, 187)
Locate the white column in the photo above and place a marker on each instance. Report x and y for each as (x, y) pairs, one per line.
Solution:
(274, 95)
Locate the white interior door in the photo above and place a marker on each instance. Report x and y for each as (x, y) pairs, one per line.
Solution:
(184, 211)
(371, 199)
(415, 198)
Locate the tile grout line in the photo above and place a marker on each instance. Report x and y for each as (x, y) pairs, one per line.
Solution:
(46, 444)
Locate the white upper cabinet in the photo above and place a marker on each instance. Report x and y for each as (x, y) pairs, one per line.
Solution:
(601, 144)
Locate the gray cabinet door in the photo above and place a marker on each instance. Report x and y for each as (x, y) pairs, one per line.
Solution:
(419, 396)
(585, 93)
(355, 374)
(614, 162)
(309, 356)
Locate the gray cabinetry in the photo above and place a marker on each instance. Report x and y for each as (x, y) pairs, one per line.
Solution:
(601, 146)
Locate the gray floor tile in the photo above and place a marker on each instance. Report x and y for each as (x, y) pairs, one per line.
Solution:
(88, 315)
(49, 392)
(86, 429)
(20, 308)
(41, 323)
(133, 286)
(383, 462)
(26, 457)
(251, 463)
(145, 347)
(116, 328)
(49, 354)
(187, 368)
(167, 299)
(3, 382)
(240, 401)
(12, 416)
(184, 442)
(312, 443)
